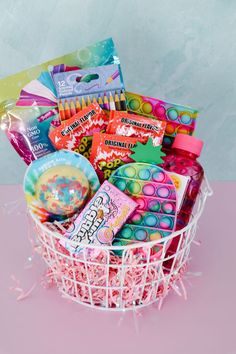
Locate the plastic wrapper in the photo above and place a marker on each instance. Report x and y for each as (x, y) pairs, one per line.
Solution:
(77, 132)
(27, 129)
(110, 152)
(122, 123)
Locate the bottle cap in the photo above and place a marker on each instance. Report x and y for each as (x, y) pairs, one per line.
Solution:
(188, 143)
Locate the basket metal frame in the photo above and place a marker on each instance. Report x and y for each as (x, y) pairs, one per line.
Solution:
(64, 267)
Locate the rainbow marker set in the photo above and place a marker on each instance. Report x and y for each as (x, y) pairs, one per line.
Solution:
(180, 119)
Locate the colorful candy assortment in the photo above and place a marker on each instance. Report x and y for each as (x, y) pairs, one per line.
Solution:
(180, 119)
(154, 192)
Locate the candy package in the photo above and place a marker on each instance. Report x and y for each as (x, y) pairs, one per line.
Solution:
(77, 132)
(122, 123)
(179, 119)
(101, 219)
(27, 129)
(109, 152)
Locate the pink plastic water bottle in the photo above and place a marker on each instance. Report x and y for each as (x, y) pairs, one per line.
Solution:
(187, 173)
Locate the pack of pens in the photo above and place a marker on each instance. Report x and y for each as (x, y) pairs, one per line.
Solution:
(77, 89)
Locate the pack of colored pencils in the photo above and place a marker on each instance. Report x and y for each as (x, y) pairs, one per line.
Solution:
(77, 89)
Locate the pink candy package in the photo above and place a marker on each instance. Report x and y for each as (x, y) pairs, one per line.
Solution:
(101, 219)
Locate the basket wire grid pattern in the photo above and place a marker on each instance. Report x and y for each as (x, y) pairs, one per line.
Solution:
(119, 277)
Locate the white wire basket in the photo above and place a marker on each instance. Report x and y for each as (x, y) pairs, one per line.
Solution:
(119, 277)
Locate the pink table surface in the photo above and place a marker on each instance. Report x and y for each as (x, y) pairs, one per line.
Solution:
(46, 323)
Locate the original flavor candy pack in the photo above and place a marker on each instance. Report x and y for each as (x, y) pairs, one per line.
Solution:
(110, 151)
(78, 105)
(76, 133)
(126, 124)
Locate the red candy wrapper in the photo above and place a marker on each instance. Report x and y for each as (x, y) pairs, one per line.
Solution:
(110, 152)
(76, 133)
(122, 123)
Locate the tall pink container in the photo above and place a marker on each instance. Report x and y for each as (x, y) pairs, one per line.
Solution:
(182, 160)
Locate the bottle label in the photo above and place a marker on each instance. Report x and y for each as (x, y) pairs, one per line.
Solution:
(181, 185)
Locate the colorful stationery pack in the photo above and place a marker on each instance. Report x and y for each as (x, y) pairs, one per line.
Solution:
(78, 88)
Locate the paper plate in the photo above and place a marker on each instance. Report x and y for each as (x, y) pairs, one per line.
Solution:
(58, 158)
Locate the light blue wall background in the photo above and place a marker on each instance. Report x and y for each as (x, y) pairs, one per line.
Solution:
(180, 50)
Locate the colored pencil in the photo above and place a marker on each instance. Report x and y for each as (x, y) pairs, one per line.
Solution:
(122, 102)
(61, 111)
(117, 102)
(100, 102)
(88, 101)
(72, 108)
(67, 109)
(77, 105)
(113, 77)
(106, 103)
(83, 102)
(112, 103)
(95, 100)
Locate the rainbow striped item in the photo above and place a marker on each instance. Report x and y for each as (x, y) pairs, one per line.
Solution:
(180, 119)
(154, 192)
